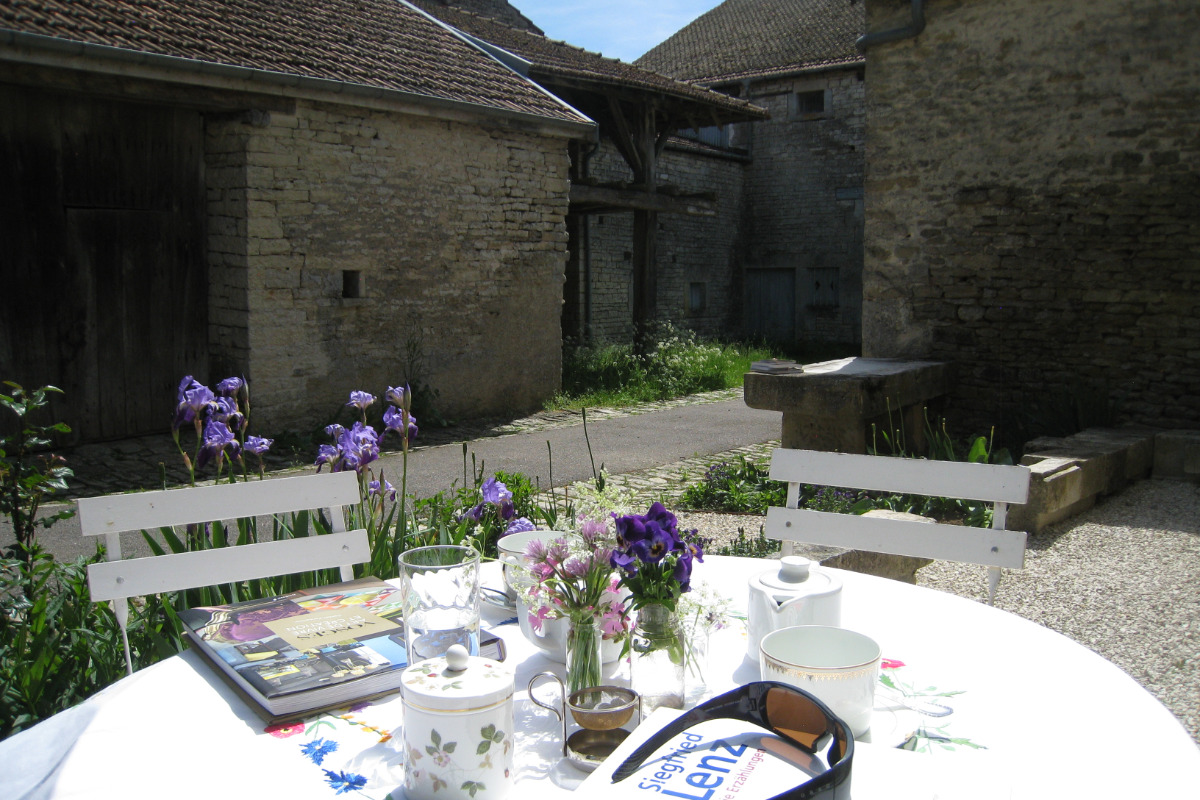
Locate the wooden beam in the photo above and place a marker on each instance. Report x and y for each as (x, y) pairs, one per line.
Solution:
(595, 199)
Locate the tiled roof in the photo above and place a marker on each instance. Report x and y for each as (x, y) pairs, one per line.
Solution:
(374, 43)
(751, 38)
(555, 63)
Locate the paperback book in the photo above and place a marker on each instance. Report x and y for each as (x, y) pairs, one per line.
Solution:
(307, 651)
(720, 759)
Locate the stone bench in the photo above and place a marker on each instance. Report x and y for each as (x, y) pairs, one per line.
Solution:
(1071, 472)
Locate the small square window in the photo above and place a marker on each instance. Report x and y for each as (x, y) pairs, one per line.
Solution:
(352, 284)
(808, 104)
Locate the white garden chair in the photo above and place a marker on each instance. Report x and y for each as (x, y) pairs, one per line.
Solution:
(994, 547)
(116, 579)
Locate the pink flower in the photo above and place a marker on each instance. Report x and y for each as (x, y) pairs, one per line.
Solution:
(536, 617)
(284, 730)
(891, 663)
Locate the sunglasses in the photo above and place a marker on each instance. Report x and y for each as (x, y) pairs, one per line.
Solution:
(793, 715)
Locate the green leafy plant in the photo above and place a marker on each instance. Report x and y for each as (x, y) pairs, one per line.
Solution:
(675, 363)
(738, 485)
(28, 473)
(757, 546)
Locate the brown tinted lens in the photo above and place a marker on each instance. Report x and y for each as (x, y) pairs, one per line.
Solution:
(794, 714)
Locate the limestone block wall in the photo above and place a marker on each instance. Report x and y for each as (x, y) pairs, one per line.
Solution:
(345, 241)
(692, 248)
(804, 208)
(1033, 201)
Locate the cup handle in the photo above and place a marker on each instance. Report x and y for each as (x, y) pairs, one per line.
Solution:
(561, 711)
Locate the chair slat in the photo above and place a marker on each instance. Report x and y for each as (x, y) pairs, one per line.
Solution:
(110, 580)
(987, 482)
(999, 548)
(171, 507)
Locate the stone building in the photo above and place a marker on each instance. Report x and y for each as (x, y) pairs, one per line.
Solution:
(799, 223)
(314, 195)
(653, 232)
(1033, 202)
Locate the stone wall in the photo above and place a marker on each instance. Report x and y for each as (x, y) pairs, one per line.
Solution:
(700, 249)
(1033, 202)
(343, 239)
(804, 206)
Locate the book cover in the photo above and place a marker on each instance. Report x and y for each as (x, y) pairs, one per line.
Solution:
(308, 650)
(717, 760)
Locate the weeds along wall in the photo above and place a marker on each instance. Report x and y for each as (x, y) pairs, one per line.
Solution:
(1033, 201)
(344, 242)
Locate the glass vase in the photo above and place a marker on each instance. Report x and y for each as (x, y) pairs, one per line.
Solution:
(658, 658)
(584, 660)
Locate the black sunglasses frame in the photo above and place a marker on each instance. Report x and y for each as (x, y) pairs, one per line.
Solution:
(748, 703)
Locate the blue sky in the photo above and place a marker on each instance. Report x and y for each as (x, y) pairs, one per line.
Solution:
(621, 29)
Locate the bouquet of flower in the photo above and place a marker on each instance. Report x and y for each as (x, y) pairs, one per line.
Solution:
(573, 578)
(654, 558)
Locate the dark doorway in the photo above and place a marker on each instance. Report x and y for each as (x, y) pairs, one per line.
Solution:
(771, 305)
(103, 269)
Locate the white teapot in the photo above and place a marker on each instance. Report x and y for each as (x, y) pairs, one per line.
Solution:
(796, 592)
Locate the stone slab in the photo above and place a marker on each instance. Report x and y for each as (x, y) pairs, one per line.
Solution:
(1177, 455)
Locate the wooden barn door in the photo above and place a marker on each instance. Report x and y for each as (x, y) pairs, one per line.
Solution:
(771, 304)
(105, 290)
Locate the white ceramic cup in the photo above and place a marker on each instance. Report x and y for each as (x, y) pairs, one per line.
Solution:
(511, 551)
(837, 666)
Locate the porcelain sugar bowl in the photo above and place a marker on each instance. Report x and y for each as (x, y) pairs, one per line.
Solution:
(795, 592)
(458, 728)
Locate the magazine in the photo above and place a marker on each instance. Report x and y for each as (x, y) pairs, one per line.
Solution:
(306, 651)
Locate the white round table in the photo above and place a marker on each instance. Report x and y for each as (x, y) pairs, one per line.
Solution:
(1037, 716)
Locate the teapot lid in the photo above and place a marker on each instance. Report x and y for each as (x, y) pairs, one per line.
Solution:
(457, 682)
(795, 574)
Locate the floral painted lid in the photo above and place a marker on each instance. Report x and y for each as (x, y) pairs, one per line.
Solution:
(457, 682)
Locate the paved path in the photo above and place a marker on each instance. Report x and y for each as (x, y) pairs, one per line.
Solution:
(653, 445)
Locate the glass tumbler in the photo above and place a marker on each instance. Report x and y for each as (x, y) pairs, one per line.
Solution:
(441, 600)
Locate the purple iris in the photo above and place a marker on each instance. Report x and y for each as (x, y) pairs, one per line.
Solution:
(191, 400)
(400, 396)
(217, 440)
(393, 419)
(229, 387)
(388, 490)
(493, 491)
(258, 445)
(519, 525)
(327, 454)
(361, 400)
(358, 446)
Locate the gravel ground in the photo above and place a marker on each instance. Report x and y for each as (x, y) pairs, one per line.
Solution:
(1122, 579)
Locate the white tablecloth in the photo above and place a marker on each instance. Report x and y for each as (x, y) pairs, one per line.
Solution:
(1037, 716)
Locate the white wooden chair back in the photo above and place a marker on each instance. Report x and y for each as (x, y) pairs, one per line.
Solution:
(116, 579)
(994, 547)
